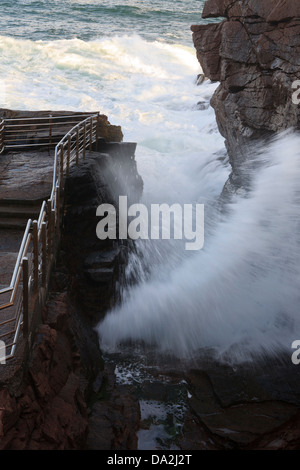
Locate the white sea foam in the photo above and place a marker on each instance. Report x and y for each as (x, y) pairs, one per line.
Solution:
(240, 294)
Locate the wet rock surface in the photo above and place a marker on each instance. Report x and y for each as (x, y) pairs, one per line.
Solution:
(16, 167)
(114, 416)
(48, 411)
(243, 408)
(210, 405)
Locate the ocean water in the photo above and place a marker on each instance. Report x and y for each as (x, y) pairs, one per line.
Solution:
(135, 62)
(165, 20)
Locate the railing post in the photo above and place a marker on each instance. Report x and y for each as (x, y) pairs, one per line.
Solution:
(44, 254)
(91, 133)
(25, 296)
(53, 219)
(50, 129)
(77, 146)
(35, 255)
(68, 155)
(61, 166)
(58, 208)
(49, 206)
(84, 139)
(97, 133)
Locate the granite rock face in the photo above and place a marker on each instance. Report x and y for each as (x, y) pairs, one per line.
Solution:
(96, 266)
(48, 412)
(254, 52)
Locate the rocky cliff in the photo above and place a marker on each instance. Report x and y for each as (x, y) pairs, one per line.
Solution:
(64, 397)
(254, 52)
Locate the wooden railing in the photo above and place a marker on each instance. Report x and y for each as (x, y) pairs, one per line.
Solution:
(40, 241)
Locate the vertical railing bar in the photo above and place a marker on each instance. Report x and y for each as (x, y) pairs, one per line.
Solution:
(35, 255)
(49, 228)
(77, 146)
(25, 296)
(50, 129)
(97, 133)
(91, 133)
(68, 155)
(84, 140)
(58, 208)
(61, 166)
(53, 229)
(44, 253)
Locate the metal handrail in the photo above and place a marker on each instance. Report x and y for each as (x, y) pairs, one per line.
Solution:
(18, 262)
(27, 132)
(40, 118)
(39, 237)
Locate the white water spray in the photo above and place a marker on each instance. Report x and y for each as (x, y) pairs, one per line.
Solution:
(240, 294)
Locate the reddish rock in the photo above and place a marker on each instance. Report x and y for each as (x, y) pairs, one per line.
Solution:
(255, 54)
(214, 8)
(114, 419)
(207, 40)
(271, 10)
(284, 10)
(239, 409)
(9, 412)
(49, 411)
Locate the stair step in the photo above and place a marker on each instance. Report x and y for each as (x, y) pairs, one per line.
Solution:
(21, 202)
(13, 223)
(20, 212)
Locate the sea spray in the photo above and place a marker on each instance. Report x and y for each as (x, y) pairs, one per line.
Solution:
(240, 295)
